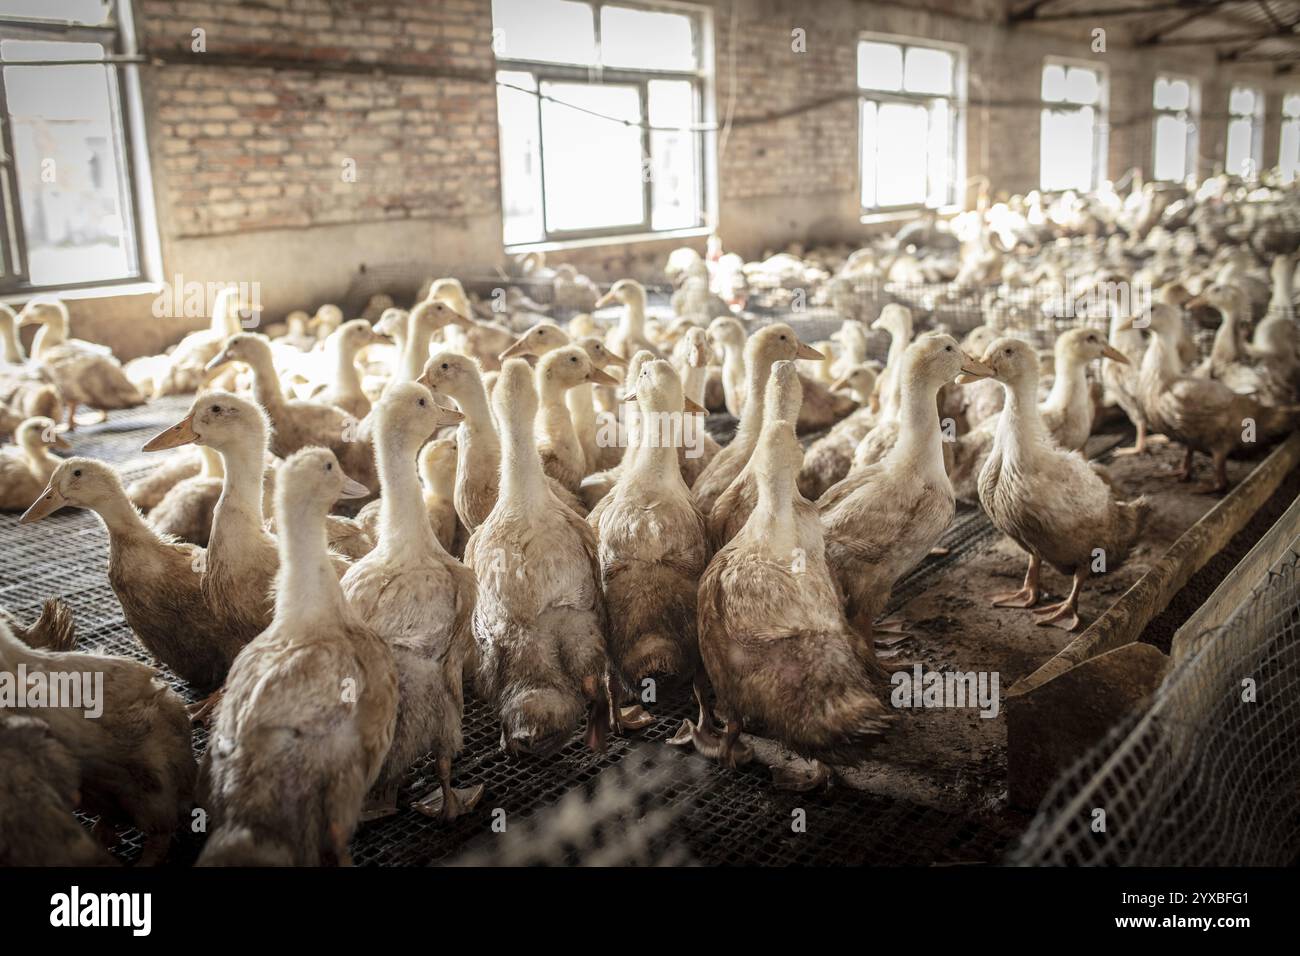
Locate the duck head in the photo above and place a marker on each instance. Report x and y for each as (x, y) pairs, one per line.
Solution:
(540, 339)
(784, 395)
(250, 348)
(1012, 362)
(79, 483)
(860, 379)
(408, 409)
(356, 335)
(599, 354)
(514, 396)
(569, 366)
(726, 332)
(327, 318)
(626, 291)
(45, 311)
(392, 324)
(694, 348)
(934, 359)
(312, 478)
(438, 464)
(1083, 345)
(220, 420)
(450, 373)
(894, 319)
(777, 342)
(656, 386)
(433, 314)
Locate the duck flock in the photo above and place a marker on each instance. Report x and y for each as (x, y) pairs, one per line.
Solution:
(358, 522)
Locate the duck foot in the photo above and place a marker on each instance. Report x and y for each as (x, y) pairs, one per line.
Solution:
(635, 717)
(1025, 597)
(705, 740)
(891, 625)
(801, 779)
(462, 801)
(893, 640)
(1061, 615)
(734, 752)
(596, 736)
(379, 804)
(203, 711)
(940, 552)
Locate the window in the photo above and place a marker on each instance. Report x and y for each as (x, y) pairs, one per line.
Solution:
(908, 122)
(65, 171)
(1245, 131)
(1072, 144)
(1176, 105)
(601, 108)
(1288, 159)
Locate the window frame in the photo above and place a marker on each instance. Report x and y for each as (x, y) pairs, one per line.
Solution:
(1191, 115)
(1101, 128)
(116, 36)
(957, 122)
(1257, 121)
(1283, 121)
(701, 80)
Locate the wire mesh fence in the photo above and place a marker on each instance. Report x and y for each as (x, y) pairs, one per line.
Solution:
(1209, 774)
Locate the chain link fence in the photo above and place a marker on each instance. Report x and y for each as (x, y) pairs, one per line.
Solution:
(1209, 775)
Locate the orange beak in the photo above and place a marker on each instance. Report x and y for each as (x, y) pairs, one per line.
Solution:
(49, 502)
(182, 433)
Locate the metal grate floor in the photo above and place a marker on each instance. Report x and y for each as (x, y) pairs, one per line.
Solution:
(720, 817)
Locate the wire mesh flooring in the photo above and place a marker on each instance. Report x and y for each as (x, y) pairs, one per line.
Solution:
(719, 816)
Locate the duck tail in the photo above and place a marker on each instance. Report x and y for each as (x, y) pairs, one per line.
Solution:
(239, 846)
(653, 653)
(1278, 420)
(45, 401)
(538, 720)
(54, 630)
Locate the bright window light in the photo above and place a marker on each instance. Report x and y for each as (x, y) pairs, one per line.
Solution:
(908, 120)
(613, 150)
(87, 12)
(1289, 154)
(1174, 146)
(1245, 131)
(1072, 141)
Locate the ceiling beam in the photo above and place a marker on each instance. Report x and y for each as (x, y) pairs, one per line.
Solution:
(1247, 38)
(1093, 13)
(1027, 12)
(1156, 35)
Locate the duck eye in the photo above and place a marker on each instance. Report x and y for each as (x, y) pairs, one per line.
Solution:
(215, 409)
(445, 365)
(947, 348)
(77, 473)
(573, 358)
(1007, 351)
(422, 403)
(329, 466)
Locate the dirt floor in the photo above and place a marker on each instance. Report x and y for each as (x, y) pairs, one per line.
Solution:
(954, 759)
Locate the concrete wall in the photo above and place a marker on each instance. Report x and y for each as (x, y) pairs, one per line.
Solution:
(249, 139)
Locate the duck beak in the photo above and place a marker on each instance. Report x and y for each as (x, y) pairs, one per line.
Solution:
(182, 433)
(464, 321)
(218, 360)
(694, 407)
(518, 347)
(1195, 302)
(972, 370)
(615, 359)
(49, 502)
(60, 443)
(1125, 325)
(839, 383)
(808, 352)
(599, 376)
(353, 489)
(1115, 355)
(631, 397)
(450, 416)
(606, 299)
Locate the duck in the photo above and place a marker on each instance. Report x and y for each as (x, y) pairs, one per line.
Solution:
(1120, 379)
(830, 457)
(185, 512)
(437, 469)
(420, 600)
(286, 772)
(481, 340)
(298, 423)
(326, 321)
(727, 336)
(85, 374)
(769, 344)
(39, 790)
(652, 548)
(425, 319)
(897, 321)
(477, 442)
(134, 757)
(539, 624)
(882, 521)
(26, 465)
(150, 488)
(1231, 360)
(558, 371)
(623, 434)
(25, 389)
(733, 507)
(1049, 501)
(629, 336)
(392, 324)
(691, 359)
(1204, 415)
(156, 578)
(344, 389)
(1069, 411)
(776, 647)
(186, 363)
(541, 340)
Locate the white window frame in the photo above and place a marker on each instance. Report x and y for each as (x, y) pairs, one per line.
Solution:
(1192, 115)
(956, 199)
(1256, 157)
(117, 35)
(1101, 129)
(702, 79)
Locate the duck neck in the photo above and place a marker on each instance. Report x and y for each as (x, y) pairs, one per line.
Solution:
(553, 419)
(694, 383)
(1021, 422)
(773, 517)
(478, 437)
(581, 403)
(1224, 349)
(402, 501)
(751, 416)
(11, 350)
(347, 380)
(920, 438)
(416, 352)
(123, 521)
(632, 323)
(306, 587)
(1070, 386)
(266, 384)
(522, 478)
(653, 458)
(238, 512)
(1160, 363)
